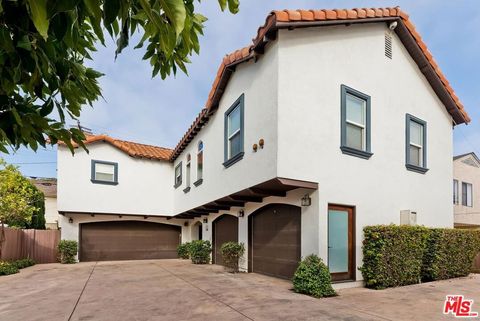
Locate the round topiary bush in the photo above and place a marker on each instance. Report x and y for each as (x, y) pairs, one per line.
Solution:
(68, 250)
(200, 251)
(231, 253)
(183, 251)
(312, 277)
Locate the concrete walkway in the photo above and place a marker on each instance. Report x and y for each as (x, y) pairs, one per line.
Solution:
(178, 290)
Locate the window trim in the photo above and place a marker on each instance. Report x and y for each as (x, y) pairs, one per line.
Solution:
(188, 173)
(466, 200)
(411, 167)
(175, 184)
(99, 181)
(367, 153)
(229, 161)
(455, 192)
(199, 151)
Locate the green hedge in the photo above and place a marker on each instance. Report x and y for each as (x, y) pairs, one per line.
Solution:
(67, 249)
(401, 255)
(183, 251)
(200, 251)
(393, 255)
(313, 278)
(7, 268)
(449, 253)
(23, 263)
(231, 253)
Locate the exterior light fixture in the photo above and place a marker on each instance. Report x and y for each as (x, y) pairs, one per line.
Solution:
(261, 142)
(306, 200)
(185, 224)
(205, 220)
(241, 213)
(70, 220)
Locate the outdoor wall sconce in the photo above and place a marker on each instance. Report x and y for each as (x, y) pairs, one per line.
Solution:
(306, 200)
(120, 216)
(241, 213)
(70, 220)
(255, 147)
(261, 142)
(205, 220)
(145, 217)
(185, 224)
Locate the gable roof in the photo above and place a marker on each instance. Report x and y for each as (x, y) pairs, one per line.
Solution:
(131, 148)
(466, 154)
(276, 20)
(48, 186)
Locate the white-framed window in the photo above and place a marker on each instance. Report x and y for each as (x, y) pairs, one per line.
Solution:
(104, 172)
(455, 191)
(178, 175)
(467, 194)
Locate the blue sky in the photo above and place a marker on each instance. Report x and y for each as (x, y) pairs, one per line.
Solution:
(158, 112)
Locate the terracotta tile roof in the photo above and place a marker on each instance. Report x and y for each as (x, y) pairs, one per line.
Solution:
(133, 149)
(304, 18)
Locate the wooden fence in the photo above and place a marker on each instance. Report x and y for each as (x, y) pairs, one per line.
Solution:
(40, 245)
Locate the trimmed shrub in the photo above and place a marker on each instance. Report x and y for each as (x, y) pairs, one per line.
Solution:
(200, 251)
(312, 277)
(23, 263)
(7, 268)
(183, 251)
(67, 249)
(231, 253)
(449, 253)
(393, 255)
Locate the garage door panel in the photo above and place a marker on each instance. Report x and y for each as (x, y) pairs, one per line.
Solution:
(225, 229)
(275, 240)
(128, 240)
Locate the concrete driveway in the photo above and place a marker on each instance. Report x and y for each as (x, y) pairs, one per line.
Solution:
(178, 290)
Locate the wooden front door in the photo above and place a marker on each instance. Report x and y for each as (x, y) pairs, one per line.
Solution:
(225, 229)
(341, 242)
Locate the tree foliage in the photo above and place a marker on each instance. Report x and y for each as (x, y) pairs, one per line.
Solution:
(44, 45)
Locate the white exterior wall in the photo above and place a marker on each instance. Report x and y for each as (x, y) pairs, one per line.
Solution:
(313, 63)
(144, 186)
(51, 213)
(258, 82)
(463, 172)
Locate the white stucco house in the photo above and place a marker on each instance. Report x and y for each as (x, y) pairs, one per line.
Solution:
(329, 121)
(48, 186)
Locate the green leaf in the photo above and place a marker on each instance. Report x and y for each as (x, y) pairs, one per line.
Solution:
(38, 12)
(110, 11)
(233, 6)
(24, 43)
(175, 11)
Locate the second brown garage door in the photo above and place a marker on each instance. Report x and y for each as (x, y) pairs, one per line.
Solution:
(225, 229)
(274, 239)
(128, 240)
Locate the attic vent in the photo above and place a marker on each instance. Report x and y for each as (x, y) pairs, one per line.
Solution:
(388, 46)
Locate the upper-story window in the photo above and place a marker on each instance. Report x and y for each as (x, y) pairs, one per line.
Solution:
(455, 191)
(355, 118)
(234, 132)
(199, 164)
(187, 173)
(178, 175)
(467, 194)
(416, 144)
(104, 172)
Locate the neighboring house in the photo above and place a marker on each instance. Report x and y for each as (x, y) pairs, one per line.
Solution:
(48, 186)
(330, 121)
(466, 199)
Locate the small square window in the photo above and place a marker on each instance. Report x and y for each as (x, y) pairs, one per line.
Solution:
(104, 172)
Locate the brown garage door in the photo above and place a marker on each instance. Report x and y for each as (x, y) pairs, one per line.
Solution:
(274, 238)
(225, 229)
(128, 240)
